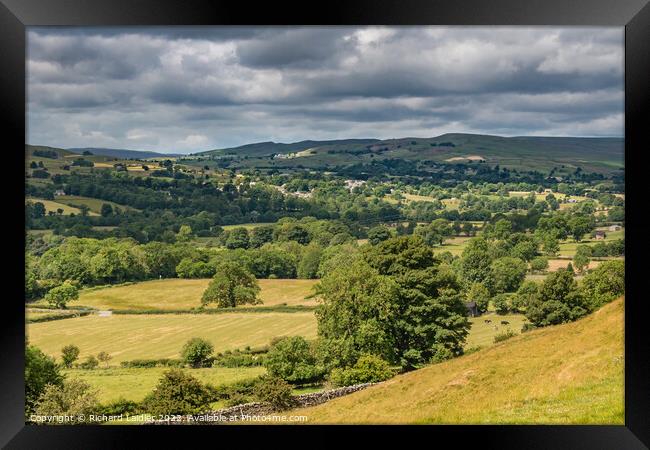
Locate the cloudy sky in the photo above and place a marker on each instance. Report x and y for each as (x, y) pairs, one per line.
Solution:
(183, 90)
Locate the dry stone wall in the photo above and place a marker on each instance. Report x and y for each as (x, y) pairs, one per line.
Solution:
(246, 410)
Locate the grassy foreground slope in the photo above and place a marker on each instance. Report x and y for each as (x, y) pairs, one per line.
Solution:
(565, 374)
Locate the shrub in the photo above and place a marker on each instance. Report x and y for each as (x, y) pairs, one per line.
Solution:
(73, 398)
(90, 363)
(539, 264)
(235, 393)
(177, 393)
(527, 327)
(238, 359)
(119, 406)
(196, 352)
(275, 391)
(40, 371)
(147, 363)
(504, 336)
(237, 398)
(293, 360)
(368, 369)
(69, 355)
(471, 350)
(104, 357)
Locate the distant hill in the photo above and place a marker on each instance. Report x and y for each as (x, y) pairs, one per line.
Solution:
(523, 153)
(566, 154)
(565, 374)
(124, 154)
(50, 152)
(271, 148)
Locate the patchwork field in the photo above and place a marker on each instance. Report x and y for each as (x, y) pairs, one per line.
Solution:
(128, 337)
(135, 383)
(566, 374)
(94, 204)
(175, 293)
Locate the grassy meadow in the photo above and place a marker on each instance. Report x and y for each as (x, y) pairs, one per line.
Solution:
(176, 293)
(135, 383)
(482, 334)
(565, 374)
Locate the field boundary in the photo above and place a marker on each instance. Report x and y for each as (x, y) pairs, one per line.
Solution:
(57, 317)
(259, 309)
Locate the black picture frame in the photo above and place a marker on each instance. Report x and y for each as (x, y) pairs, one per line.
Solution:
(634, 15)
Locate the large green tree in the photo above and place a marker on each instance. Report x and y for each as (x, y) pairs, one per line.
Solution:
(61, 295)
(231, 286)
(507, 274)
(394, 302)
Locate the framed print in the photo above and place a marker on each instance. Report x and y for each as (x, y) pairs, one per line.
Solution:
(404, 217)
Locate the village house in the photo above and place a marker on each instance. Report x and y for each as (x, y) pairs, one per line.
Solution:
(614, 228)
(599, 235)
(59, 192)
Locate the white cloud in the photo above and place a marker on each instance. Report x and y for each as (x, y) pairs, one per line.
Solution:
(144, 89)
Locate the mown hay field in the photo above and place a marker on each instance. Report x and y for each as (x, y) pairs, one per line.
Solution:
(176, 293)
(94, 204)
(53, 206)
(150, 336)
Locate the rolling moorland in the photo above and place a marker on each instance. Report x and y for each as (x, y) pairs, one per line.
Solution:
(301, 267)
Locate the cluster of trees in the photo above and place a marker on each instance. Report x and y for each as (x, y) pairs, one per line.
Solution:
(561, 299)
(304, 231)
(57, 270)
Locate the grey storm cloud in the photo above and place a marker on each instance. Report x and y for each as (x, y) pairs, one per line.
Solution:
(186, 89)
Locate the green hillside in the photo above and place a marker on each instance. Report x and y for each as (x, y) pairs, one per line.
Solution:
(270, 148)
(566, 374)
(604, 155)
(124, 153)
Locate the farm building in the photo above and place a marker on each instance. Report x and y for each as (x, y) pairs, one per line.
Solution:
(472, 309)
(600, 235)
(615, 228)
(59, 192)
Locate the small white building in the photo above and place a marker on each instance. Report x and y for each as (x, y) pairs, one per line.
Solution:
(614, 228)
(59, 192)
